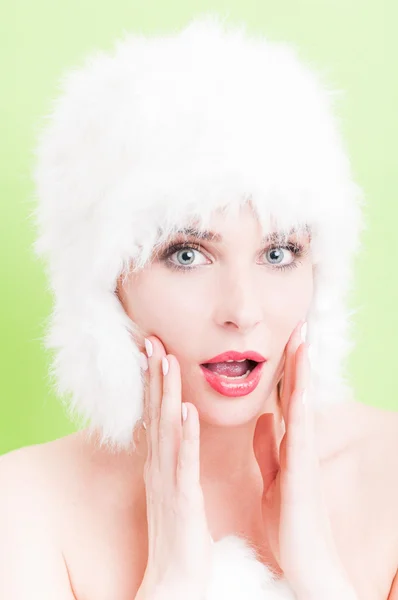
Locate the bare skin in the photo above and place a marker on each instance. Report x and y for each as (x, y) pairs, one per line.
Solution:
(74, 516)
(95, 507)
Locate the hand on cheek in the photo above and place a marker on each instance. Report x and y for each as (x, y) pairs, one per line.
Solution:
(296, 522)
(179, 540)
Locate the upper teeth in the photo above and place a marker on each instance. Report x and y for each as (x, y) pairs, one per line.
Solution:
(243, 360)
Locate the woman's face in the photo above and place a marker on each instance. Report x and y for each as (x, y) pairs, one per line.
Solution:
(232, 293)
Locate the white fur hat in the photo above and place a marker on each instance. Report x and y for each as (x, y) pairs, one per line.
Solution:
(157, 132)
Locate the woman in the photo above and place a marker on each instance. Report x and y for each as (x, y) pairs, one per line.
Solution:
(212, 147)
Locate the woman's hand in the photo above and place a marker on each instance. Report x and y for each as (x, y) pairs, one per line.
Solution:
(179, 542)
(296, 523)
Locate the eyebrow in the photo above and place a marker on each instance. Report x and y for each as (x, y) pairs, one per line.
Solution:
(274, 236)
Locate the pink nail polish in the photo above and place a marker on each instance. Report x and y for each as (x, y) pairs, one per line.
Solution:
(148, 347)
(165, 366)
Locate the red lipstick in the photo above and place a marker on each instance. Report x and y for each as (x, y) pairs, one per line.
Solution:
(232, 355)
(235, 387)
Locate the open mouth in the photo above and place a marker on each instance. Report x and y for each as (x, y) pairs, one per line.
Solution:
(233, 378)
(232, 369)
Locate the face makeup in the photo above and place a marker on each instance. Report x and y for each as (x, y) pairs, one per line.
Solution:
(234, 374)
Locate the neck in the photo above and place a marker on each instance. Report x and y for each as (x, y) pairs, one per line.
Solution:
(226, 453)
(230, 476)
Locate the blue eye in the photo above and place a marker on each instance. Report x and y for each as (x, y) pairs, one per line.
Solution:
(185, 256)
(278, 253)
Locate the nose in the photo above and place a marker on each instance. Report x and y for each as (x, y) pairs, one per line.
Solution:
(239, 306)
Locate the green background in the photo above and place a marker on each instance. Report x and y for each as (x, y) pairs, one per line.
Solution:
(355, 41)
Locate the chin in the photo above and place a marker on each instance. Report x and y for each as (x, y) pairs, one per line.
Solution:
(222, 411)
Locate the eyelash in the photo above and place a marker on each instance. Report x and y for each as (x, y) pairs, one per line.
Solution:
(297, 249)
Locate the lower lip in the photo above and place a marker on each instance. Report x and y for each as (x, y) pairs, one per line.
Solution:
(234, 387)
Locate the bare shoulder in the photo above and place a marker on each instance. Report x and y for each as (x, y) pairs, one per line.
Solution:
(70, 514)
(377, 443)
(353, 425)
(31, 483)
(59, 469)
(39, 468)
(379, 426)
(362, 440)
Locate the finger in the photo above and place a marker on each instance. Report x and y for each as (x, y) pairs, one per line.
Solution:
(294, 460)
(170, 424)
(156, 349)
(290, 352)
(301, 489)
(301, 486)
(145, 381)
(302, 381)
(301, 373)
(289, 369)
(297, 448)
(266, 449)
(144, 366)
(188, 465)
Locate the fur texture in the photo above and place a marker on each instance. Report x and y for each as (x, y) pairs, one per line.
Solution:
(158, 133)
(238, 575)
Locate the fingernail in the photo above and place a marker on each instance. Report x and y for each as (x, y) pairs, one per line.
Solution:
(184, 411)
(304, 331)
(143, 362)
(148, 347)
(144, 424)
(165, 365)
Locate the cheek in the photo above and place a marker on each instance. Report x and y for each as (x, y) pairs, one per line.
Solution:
(289, 298)
(165, 306)
(286, 303)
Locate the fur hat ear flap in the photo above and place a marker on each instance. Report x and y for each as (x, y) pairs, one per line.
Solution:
(159, 133)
